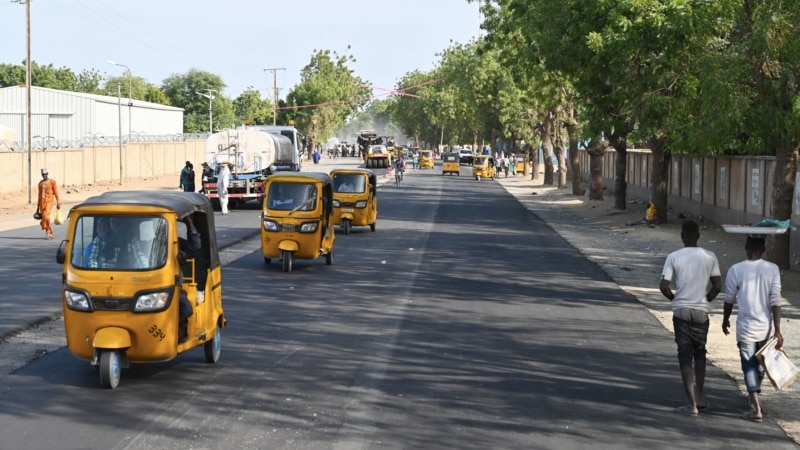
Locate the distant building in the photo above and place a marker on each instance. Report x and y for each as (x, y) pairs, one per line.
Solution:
(74, 117)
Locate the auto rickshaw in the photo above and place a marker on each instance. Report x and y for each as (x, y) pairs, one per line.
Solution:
(132, 292)
(484, 167)
(426, 159)
(297, 218)
(451, 163)
(355, 199)
(520, 162)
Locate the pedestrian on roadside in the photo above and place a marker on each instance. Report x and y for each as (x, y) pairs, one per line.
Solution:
(513, 165)
(48, 191)
(190, 176)
(317, 156)
(505, 166)
(184, 179)
(692, 268)
(754, 285)
(208, 175)
(223, 179)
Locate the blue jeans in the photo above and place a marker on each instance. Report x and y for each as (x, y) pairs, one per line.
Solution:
(753, 373)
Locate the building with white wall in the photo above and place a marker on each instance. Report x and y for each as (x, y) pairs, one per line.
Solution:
(72, 118)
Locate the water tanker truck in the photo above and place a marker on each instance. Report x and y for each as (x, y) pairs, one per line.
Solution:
(254, 155)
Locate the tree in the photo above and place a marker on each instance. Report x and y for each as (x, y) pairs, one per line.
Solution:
(327, 95)
(250, 108)
(185, 91)
(89, 82)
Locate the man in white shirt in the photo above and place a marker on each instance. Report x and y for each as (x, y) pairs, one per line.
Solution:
(755, 286)
(223, 179)
(691, 268)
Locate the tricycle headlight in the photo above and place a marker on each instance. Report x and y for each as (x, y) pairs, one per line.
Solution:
(309, 227)
(153, 301)
(270, 225)
(336, 203)
(78, 301)
(361, 204)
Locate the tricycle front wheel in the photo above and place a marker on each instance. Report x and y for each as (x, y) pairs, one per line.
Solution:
(110, 369)
(287, 257)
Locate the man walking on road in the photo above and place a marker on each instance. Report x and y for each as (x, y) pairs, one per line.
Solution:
(755, 286)
(691, 268)
(223, 179)
(48, 191)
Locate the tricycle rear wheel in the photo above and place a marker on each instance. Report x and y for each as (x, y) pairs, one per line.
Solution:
(213, 348)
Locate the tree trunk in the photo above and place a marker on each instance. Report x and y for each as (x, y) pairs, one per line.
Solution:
(597, 151)
(547, 149)
(533, 158)
(658, 188)
(620, 144)
(574, 157)
(778, 247)
(558, 152)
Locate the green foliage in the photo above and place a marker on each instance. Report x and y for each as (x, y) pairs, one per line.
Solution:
(250, 108)
(12, 75)
(185, 91)
(327, 95)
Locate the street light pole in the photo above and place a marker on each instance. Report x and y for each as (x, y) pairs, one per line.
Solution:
(130, 94)
(119, 109)
(274, 94)
(210, 98)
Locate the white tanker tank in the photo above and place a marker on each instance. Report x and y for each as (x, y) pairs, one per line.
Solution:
(251, 152)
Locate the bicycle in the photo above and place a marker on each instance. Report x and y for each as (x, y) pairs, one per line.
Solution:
(398, 176)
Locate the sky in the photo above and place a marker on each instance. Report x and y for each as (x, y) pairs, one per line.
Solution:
(238, 39)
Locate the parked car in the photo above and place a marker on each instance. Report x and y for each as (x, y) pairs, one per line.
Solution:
(465, 156)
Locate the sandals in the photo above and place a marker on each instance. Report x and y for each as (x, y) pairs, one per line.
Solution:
(751, 416)
(686, 410)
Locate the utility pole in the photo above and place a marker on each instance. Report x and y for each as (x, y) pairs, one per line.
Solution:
(274, 94)
(28, 89)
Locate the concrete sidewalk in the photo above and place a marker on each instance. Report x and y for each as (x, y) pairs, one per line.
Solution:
(633, 256)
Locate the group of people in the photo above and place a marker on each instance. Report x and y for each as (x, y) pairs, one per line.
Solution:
(753, 285)
(187, 181)
(507, 164)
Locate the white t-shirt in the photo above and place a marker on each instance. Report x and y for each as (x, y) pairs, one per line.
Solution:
(690, 268)
(755, 286)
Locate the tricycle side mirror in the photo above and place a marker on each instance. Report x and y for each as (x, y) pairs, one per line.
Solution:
(61, 255)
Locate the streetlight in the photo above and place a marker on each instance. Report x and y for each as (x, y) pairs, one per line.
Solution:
(130, 93)
(210, 98)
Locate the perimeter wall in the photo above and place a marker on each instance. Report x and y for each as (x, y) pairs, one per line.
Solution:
(723, 189)
(99, 164)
